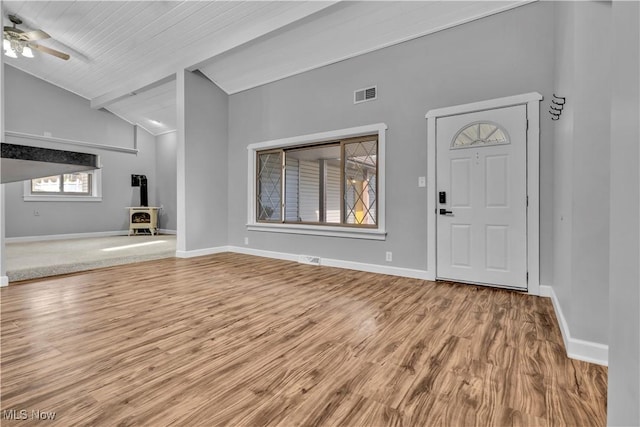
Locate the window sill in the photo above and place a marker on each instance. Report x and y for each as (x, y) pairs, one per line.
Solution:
(321, 230)
(52, 198)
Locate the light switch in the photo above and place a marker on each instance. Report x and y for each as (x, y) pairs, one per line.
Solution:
(422, 181)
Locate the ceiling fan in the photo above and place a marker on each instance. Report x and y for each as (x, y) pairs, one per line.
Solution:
(16, 41)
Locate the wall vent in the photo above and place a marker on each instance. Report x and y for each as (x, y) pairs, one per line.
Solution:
(366, 94)
(308, 259)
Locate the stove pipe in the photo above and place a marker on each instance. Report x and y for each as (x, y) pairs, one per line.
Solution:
(141, 181)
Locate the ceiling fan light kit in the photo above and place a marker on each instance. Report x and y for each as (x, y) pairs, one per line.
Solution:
(16, 41)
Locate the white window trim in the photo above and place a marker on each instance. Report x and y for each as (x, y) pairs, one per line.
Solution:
(319, 230)
(96, 192)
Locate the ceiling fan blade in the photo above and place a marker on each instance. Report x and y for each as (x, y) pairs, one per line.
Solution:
(50, 51)
(32, 36)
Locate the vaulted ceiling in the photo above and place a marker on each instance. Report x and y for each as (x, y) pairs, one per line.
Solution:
(124, 54)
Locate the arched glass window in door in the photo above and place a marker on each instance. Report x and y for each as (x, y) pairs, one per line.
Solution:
(480, 134)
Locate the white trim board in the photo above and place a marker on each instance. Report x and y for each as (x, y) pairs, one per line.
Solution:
(57, 140)
(76, 236)
(66, 236)
(201, 252)
(532, 102)
(578, 349)
(349, 265)
(4, 281)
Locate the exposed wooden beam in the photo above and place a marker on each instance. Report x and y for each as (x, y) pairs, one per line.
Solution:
(197, 54)
(140, 85)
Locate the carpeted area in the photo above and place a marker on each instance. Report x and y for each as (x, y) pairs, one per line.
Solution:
(30, 260)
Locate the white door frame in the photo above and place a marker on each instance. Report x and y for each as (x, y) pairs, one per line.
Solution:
(532, 102)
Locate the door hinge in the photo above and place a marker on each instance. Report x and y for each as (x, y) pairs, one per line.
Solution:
(527, 277)
(527, 124)
(527, 201)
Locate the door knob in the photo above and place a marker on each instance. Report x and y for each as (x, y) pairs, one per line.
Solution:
(445, 212)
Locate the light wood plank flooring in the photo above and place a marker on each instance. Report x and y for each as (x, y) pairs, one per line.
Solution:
(237, 340)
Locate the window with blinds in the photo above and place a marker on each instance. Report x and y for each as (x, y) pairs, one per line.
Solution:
(328, 183)
(65, 184)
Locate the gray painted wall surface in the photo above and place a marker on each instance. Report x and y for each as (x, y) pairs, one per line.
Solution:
(506, 54)
(581, 220)
(60, 112)
(166, 179)
(624, 275)
(563, 157)
(204, 172)
(3, 268)
(69, 116)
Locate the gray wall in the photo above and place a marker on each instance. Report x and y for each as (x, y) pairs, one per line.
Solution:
(624, 276)
(69, 116)
(581, 169)
(505, 54)
(3, 278)
(202, 163)
(166, 145)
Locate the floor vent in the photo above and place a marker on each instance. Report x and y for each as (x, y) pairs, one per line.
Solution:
(308, 259)
(366, 94)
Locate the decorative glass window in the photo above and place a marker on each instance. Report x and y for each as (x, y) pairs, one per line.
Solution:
(360, 170)
(480, 133)
(269, 181)
(327, 183)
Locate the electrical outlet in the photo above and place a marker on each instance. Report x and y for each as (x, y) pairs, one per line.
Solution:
(422, 181)
(36, 213)
(246, 240)
(389, 257)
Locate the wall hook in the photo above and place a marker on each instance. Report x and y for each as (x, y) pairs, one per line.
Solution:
(556, 107)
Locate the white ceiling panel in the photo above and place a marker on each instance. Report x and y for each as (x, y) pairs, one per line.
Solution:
(342, 31)
(116, 42)
(124, 52)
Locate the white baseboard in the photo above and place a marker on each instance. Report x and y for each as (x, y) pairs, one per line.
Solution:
(263, 253)
(578, 349)
(76, 236)
(201, 252)
(4, 281)
(376, 268)
(545, 291)
(350, 265)
(66, 236)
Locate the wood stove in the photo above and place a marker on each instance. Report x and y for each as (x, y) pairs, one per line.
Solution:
(143, 218)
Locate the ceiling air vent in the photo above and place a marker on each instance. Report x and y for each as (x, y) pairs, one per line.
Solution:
(366, 94)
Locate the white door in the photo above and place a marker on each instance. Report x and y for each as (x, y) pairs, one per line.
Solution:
(482, 197)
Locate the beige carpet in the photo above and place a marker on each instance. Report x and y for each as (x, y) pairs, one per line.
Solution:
(30, 260)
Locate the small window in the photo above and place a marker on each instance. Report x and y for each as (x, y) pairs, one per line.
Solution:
(68, 183)
(79, 186)
(480, 133)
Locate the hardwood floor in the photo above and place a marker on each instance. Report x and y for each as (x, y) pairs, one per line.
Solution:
(237, 340)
